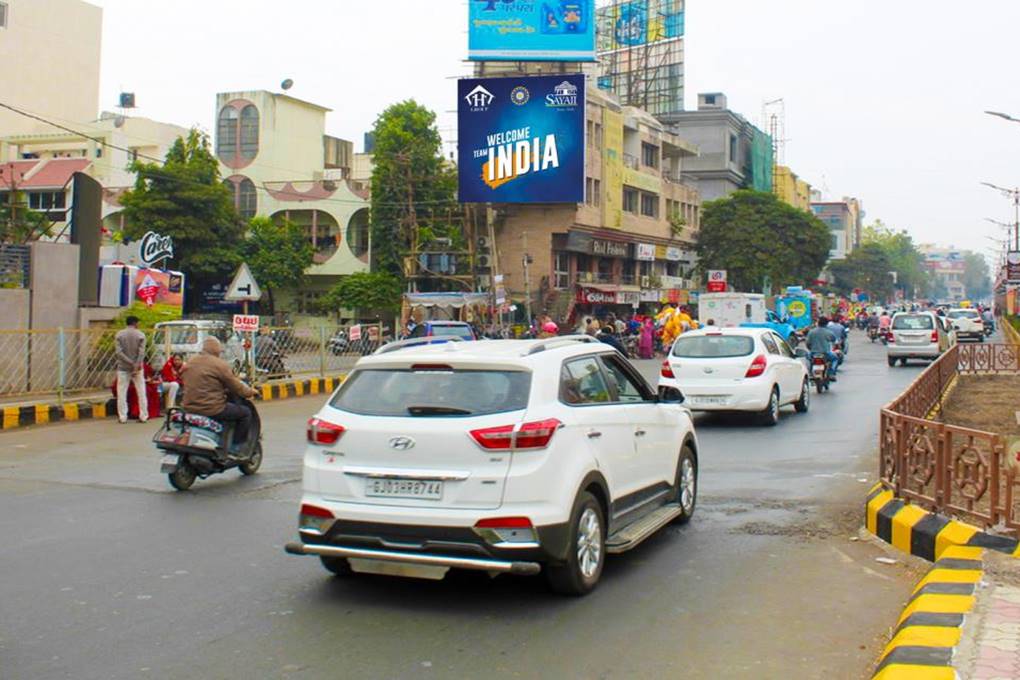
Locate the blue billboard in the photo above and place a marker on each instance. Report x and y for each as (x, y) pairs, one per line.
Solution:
(521, 139)
(531, 30)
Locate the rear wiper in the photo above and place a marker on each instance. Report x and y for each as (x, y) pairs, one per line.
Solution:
(437, 411)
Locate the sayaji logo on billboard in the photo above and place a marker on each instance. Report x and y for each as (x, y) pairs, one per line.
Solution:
(519, 148)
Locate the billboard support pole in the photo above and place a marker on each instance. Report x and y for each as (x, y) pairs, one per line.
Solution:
(527, 277)
(490, 225)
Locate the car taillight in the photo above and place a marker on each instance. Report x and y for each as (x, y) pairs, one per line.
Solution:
(757, 367)
(506, 530)
(528, 437)
(314, 519)
(323, 432)
(666, 371)
(934, 336)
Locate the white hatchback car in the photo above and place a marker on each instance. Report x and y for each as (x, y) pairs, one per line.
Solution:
(737, 369)
(505, 456)
(967, 323)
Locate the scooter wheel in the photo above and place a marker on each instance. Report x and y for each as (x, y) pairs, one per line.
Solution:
(252, 465)
(183, 477)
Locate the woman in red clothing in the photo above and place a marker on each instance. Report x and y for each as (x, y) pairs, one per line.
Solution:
(151, 393)
(171, 375)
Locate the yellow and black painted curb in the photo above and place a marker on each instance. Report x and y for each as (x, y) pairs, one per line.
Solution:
(924, 534)
(42, 414)
(931, 625)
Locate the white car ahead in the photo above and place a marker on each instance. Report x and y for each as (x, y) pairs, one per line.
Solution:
(967, 323)
(505, 456)
(737, 369)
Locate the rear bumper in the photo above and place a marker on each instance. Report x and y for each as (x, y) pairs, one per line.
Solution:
(913, 351)
(738, 397)
(516, 567)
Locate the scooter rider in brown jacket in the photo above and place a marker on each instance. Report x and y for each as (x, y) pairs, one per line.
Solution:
(207, 382)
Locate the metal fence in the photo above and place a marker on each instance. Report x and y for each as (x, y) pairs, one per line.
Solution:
(15, 263)
(64, 362)
(944, 467)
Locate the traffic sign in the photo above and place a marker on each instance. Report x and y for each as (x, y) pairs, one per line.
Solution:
(246, 323)
(243, 288)
(355, 333)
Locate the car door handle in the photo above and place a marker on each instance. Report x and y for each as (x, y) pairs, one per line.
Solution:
(639, 433)
(594, 434)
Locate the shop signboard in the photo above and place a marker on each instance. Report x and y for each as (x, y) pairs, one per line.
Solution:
(580, 242)
(528, 30)
(645, 252)
(716, 281)
(1013, 266)
(594, 296)
(674, 254)
(521, 139)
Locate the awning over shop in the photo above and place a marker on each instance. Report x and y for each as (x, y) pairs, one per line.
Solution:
(455, 300)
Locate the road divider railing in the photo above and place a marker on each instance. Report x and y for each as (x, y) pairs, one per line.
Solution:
(942, 467)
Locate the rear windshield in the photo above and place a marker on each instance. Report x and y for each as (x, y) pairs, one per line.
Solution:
(459, 331)
(912, 322)
(443, 393)
(179, 335)
(713, 346)
(963, 314)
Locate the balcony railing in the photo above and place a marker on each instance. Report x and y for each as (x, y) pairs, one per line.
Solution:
(631, 161)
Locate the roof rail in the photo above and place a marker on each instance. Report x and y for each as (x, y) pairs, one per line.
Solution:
(415, 342)
(550, 343)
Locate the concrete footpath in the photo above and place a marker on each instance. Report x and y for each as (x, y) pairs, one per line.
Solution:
(97, 406)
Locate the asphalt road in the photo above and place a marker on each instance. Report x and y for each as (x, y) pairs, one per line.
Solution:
(107, 573)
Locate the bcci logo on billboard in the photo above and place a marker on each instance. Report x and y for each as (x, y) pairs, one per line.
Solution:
(564, 96)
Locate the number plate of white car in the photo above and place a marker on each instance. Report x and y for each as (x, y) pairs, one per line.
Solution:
(708, 401)
(405, 488)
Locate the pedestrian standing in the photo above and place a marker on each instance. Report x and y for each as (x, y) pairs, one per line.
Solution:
(129, 346)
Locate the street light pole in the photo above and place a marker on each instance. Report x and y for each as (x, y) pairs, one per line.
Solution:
(1015, 195)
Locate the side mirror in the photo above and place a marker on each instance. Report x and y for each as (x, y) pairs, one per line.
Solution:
(670, 395)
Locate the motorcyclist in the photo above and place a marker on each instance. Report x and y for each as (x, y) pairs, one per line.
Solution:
(885, 321)
(267, 352)
(820, 341)
(841, 332)
(208, 382)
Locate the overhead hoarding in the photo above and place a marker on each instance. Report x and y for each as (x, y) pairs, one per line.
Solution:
(531, 30)
(521, 139)
(639, 22)
(1013, 266)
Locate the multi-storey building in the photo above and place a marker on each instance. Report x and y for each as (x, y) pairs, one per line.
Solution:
(50, 53)
(948, 266)
(632, 240)
(279, 162)
(845, 219)
(791, 189)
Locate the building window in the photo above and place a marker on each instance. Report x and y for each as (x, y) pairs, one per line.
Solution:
(249, 132)
(649, 155)
(3, 15)
(733, 148)
(597, 192)
(247, 201)
(47, 200)
(226, 132)
(308, 301)
(598, 135)
(357, 233)
(561, 271)
(592, 192)
(649, 205)
(630, 200)
(835, 242)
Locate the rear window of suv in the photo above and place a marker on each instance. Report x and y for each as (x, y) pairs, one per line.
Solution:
(458, 331)
(963, 314)
(435, 393)
(912, 322)
(713, 346)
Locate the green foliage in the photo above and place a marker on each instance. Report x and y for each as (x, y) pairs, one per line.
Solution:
(754, 235)
(410, 181)
(278, 254)
(20, 225)
(866, 268)
(904, 258)
(976, 277)
(380, 291)
(186, 200)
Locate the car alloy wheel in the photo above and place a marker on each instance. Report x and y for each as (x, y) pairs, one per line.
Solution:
(589, 543)
(687, 485)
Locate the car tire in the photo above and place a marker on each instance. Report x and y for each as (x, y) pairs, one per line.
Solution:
(686, 484)
(770, 416)
(252, 465)
(892, 361)
(803, 404)
(338, 566)
(586, 553)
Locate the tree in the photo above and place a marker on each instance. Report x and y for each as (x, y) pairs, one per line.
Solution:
(18, 223)
(754, 235)
(867, 268)
(904, 258)
(278, 255)
(976, 277)
(378, 291)
(410, 179)
(185, 199)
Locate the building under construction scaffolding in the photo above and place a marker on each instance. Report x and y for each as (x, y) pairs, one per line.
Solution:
(641, 53)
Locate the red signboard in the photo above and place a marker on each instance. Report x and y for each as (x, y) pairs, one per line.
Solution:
(1013, 266)
(716, 287)
(593, 296)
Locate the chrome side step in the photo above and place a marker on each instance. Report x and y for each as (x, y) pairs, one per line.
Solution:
(633, 534)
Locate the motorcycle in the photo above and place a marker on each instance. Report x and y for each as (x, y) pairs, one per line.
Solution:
(873, 333)
(195, 446)
(271, 364)
(820, 374)
(885, 335)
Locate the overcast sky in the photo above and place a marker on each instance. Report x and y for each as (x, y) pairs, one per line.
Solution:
(883, 98)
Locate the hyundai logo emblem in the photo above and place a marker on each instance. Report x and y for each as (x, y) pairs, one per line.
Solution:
(401, 443)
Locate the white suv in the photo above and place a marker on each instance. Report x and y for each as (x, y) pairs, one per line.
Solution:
(506, 456)
(967, 323)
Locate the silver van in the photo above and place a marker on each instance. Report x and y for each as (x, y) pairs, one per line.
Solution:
(186, 338)
(919, 335)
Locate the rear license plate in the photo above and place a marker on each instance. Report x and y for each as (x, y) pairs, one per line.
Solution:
(404, 488)
(426, 571)
(169, 462)
(708, 401)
